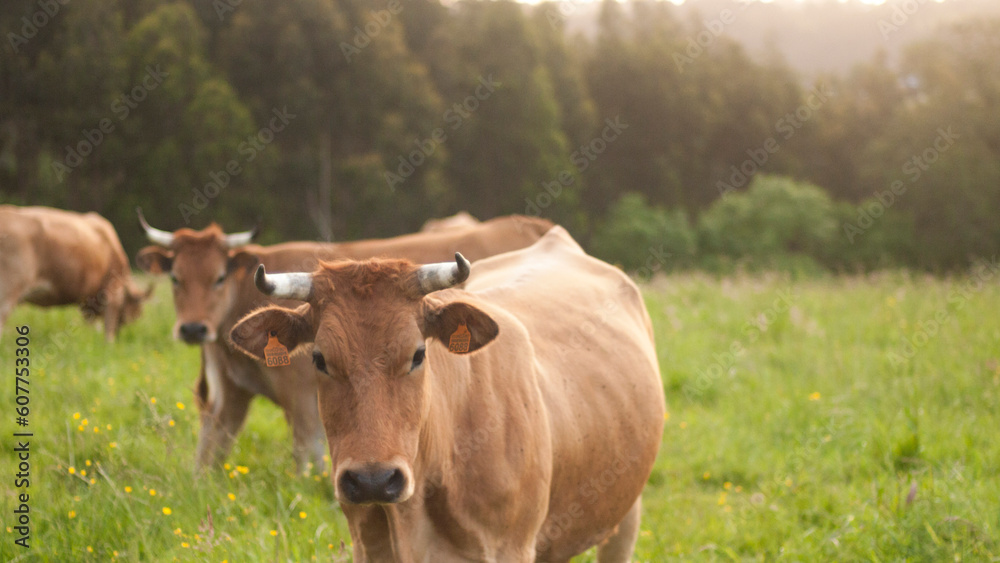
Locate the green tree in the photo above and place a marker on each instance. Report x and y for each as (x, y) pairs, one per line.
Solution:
(943, 145)
(645, 238)
(503, 121)
(361, 99)
(775, 219)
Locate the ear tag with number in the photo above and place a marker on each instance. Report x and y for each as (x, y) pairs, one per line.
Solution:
(275, 353)
(460, 339)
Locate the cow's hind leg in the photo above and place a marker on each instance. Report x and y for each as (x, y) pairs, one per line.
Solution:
(619, 547)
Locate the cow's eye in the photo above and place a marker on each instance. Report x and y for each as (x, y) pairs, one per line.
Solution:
(221, 280)
(319, 361)
(173, 279)
(418, 358)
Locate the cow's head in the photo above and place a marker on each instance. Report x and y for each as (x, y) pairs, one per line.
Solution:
(134, 298)
(206, 268)
(370, 325)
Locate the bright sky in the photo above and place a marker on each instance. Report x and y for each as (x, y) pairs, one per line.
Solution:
(870, 2)
(679, 2)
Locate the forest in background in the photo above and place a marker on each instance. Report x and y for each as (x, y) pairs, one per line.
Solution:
(657, 136)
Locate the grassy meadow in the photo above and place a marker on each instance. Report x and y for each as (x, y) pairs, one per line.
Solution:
(824, 419)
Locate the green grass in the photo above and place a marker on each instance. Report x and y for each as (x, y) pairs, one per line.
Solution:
(823, 438)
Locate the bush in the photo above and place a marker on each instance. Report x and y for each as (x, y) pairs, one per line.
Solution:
(644, 239)
(776, 221)
(865, 242)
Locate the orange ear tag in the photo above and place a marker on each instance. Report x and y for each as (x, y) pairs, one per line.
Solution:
(275, 353)
(460, 339)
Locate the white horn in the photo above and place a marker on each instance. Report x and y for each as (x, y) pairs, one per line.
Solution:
(434, 277)
(296, 285)
(155, 236)
(241, 239)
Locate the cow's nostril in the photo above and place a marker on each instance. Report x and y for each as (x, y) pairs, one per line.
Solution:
(372, 486)
(395, 485)
(193, 333)
(350, 486)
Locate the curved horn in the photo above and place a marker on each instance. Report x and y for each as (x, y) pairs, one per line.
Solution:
(284, 286)
(155, 236)
(241, 239)
(434, 277)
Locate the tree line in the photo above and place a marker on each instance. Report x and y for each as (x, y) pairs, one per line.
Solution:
(341, 119)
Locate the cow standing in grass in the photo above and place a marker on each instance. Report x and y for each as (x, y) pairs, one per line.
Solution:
(513, 418)
(50, 257)
(211, 273)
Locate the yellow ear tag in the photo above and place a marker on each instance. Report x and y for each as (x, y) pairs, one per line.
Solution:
(460, 339)
(275, 353)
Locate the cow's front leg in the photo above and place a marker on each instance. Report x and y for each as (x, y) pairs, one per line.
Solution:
(302, 413)
(6, 306)
(223, 406)
(114, 302)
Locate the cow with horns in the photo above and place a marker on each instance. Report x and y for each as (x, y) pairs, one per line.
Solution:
(211, 273)
(507, 411)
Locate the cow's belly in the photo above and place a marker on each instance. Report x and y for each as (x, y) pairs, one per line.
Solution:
(45, 294)
(606, 434)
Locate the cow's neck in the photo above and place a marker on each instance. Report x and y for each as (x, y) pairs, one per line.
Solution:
(429, 520)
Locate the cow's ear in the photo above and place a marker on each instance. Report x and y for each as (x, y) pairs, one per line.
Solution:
(155, 260)
(291, 327)
(445, 322)
(242, 262)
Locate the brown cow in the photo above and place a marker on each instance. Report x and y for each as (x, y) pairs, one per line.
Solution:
(213, 290)
(515, 419)
(459, 220)
(50, 257)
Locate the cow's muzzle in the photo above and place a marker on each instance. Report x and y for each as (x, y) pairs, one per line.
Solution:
(373, 484)
(193, 333)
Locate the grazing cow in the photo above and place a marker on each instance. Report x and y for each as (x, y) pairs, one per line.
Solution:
(50, 257)
(459, 220)
(515, 418)
(213, 289)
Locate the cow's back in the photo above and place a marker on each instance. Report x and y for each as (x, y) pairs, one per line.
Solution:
(475, 242)
(598, 376)
(66, 257)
